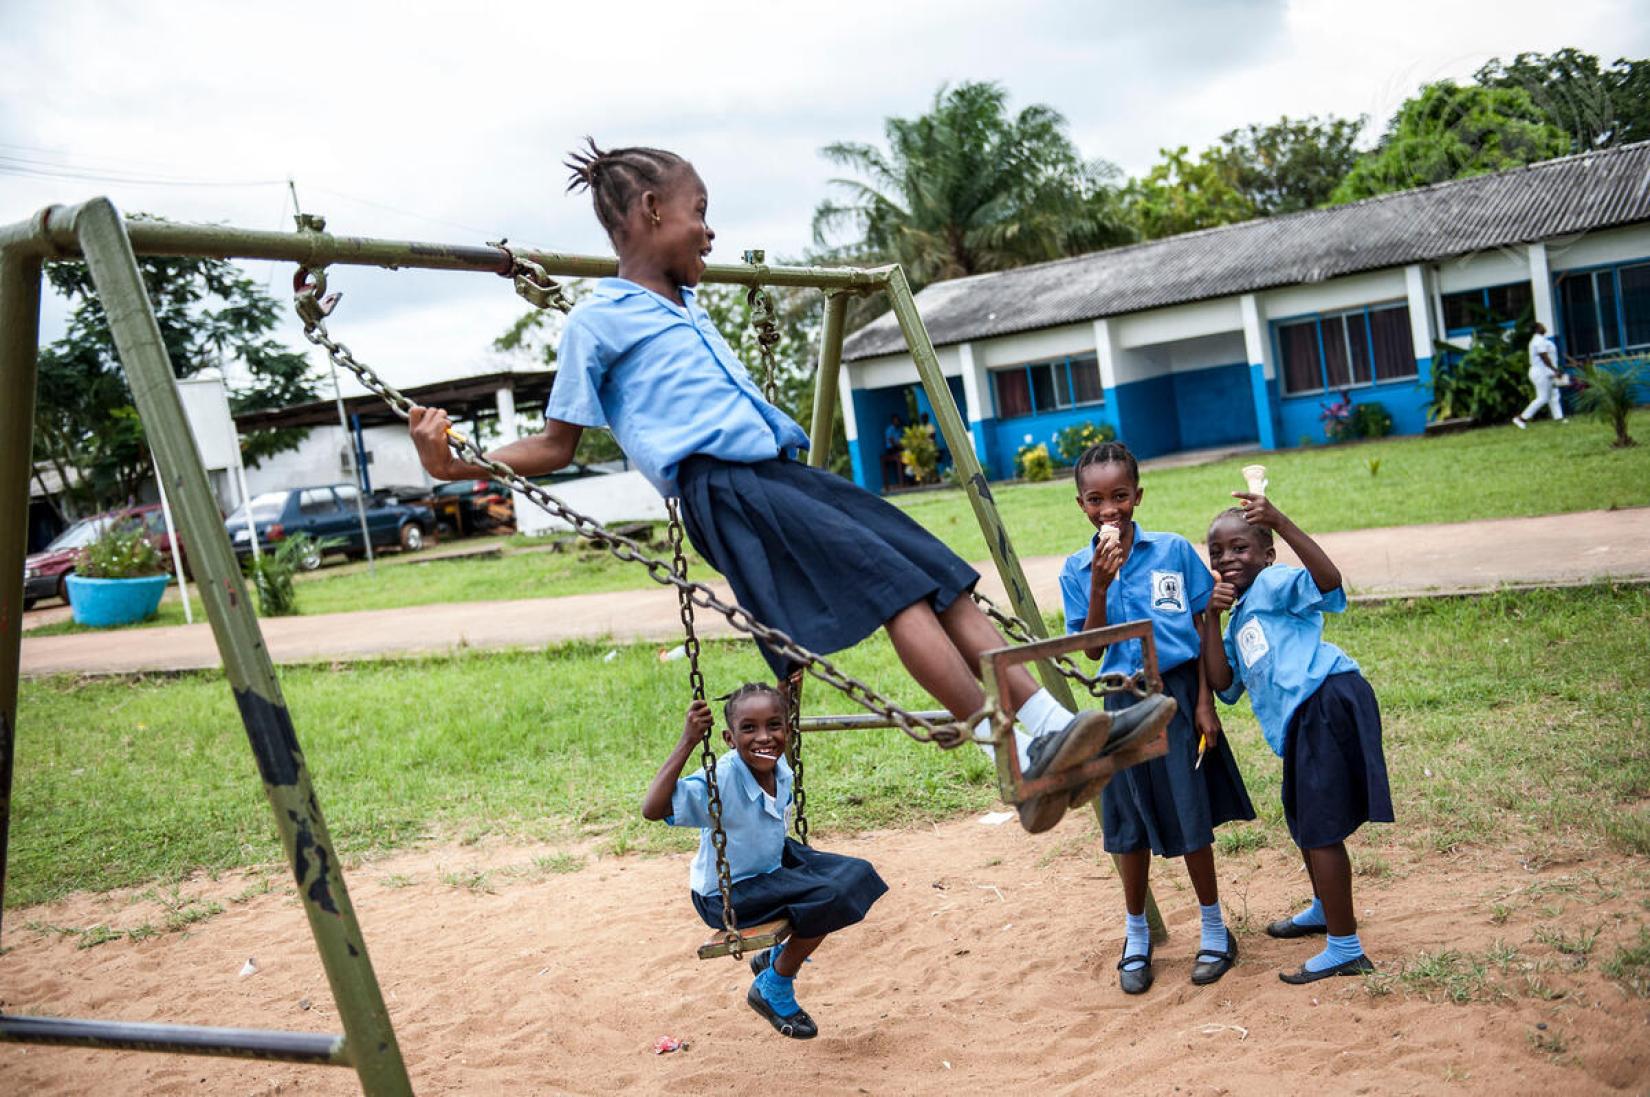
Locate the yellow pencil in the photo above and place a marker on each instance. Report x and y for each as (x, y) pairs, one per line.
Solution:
(1202, 745)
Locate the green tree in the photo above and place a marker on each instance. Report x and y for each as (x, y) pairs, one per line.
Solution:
(1180, 194)
(968, 188)
(211, 315)
(1596, 107)
(1449, 132)
(1292, 164)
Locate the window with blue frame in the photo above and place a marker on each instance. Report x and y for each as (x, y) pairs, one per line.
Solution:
(1605, 310)
(1465, 310)
(1038, 387)
(1344, 350)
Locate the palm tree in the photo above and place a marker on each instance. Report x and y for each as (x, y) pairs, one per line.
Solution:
(966, 188)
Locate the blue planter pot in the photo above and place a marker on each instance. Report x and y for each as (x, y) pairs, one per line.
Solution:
(105, 603)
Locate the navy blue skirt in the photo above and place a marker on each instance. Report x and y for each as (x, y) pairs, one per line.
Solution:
(811, 554)
(819, 892)
(1334, 773)
(1166, 805)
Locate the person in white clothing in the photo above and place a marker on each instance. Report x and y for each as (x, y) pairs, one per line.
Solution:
(1546, 376)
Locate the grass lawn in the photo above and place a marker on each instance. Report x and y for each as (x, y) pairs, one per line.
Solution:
(1515, 717)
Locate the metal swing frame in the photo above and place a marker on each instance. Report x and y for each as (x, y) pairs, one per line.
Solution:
(96, 233)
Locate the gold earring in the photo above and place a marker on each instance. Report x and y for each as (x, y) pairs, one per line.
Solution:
(656, 217)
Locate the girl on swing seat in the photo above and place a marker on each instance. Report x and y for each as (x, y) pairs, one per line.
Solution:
(773, 876)
(804, 550)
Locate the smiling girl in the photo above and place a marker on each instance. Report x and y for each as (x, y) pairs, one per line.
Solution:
(773, 876)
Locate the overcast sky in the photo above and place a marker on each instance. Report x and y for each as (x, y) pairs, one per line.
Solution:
(449, 122)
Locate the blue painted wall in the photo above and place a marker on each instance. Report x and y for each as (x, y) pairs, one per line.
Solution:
(872, 407)
(1263, 398)
(1007, 436)
(1146, 417)
(1300, 417)
(1214, 407)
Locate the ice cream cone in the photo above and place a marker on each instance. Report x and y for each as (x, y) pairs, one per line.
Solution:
(1109, 532)
(1255, 477)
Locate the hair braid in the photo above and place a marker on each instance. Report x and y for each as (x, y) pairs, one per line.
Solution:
(744, 691)
(615, 178)
(1107, 453)
(1260, 533)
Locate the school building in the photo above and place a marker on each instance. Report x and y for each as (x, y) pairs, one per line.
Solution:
(1242, 334)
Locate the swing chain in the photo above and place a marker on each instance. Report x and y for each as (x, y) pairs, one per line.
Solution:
(765, 319)
(533, 283)
(707, 759)
(946, 734)
(793, 712)
(1098, 685)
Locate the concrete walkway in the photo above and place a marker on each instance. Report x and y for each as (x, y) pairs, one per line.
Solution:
(1555, 550)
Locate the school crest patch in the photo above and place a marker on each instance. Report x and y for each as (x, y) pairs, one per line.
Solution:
(1251, 642)
(1168, 592)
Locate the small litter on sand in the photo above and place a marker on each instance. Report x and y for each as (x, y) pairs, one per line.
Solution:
(1210, 1030)
(667, 1044)
(249, 968)
(995, 818)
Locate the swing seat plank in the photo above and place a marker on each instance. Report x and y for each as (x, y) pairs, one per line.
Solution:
(751, 939)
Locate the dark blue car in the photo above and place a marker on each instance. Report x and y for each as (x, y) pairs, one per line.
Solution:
(327, 511)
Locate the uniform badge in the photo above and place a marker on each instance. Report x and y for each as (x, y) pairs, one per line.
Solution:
(1168, 592)
(1251, 642)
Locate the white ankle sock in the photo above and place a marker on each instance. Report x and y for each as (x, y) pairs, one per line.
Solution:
(1022, 742)
(1042, 714)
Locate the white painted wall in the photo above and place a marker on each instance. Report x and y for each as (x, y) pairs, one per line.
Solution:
(1035, 346)
(1257, 346)
(1352, 291)
(1590, 249)
(316, 461)
(1204, 351)
(1495, 267)
(887, 370)
(1168, 325)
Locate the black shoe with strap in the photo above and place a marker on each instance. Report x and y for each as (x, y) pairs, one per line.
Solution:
(1209, 971)
(1288, 929)
(798, 1026)
(1135, 980)
(1358, 965)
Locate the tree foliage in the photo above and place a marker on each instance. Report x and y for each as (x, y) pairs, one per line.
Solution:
(1450, 131)
(1596, 107)
(968, 188)
(1180, 194)
(211, 316)
(1292, 164)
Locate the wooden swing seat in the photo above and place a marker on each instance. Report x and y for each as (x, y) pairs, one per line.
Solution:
(751, 939)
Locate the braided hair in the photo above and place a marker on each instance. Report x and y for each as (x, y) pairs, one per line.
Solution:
(615, 178)
(747, 690)
(1107, 453)
(1260, 533)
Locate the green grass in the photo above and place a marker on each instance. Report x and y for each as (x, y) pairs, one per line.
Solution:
(1496, 472)
(1513, 717)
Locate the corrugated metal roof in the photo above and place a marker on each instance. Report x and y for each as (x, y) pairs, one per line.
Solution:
(1553, 198)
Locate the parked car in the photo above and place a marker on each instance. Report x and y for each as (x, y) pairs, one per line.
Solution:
(327, 511)
(473, 506)
(45, 573)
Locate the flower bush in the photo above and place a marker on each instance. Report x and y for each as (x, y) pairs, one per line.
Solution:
(1072, 442)
(121, 551)
(1034, 463)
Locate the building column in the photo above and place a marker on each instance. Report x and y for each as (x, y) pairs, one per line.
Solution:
(505, 397)
(1423, 329)
(1262, 370)
(979, 407)
(1106, 352)
(1541, 287)
(849, 384)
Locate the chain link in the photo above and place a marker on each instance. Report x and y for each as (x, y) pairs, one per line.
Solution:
(793, 712)
(1098, 685)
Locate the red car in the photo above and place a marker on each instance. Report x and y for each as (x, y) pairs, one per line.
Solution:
(45, 572)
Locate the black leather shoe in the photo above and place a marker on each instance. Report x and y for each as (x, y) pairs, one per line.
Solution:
(1359, 965)
(1138, 980)
(1082, 738)
(1205, 972)
(1289, 929)
(798, 1026)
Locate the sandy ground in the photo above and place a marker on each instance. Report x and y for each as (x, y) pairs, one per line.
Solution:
(988, 968)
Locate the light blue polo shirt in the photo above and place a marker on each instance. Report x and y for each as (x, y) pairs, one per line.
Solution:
(1275, 646)
(1163, 581)
(666, 382)
(753, 821)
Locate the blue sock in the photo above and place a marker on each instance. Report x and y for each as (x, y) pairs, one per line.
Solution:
(779, 992)
(1312, 916)
(1215, 938)
(1338, 950)
(1137, 939)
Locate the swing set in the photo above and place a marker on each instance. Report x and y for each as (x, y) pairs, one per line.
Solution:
(96, 233)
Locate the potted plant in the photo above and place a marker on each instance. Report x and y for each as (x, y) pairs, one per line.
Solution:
(118, 578)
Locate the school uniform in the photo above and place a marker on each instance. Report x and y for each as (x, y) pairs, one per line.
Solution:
(773, 876)
(806, 552)
(1169, 805)
(1314, 707)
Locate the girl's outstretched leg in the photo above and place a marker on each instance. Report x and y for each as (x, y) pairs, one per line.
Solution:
(796, 950)
(773, 994)
(971, 633)
(933, 660)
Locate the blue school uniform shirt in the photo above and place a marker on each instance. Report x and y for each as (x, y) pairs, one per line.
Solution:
(665, 381)
(753, 821)
(1162, 581)
(1275, 646)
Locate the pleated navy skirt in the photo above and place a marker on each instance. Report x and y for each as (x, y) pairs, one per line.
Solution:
(1166, 805)
(812, 554)
(819, 892)
(1334, 772)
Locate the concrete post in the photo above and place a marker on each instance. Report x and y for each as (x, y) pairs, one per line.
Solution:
(1262, 370)
(1541, 287)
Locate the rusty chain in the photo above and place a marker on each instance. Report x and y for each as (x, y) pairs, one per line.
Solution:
(793, 713)
(1098, 684)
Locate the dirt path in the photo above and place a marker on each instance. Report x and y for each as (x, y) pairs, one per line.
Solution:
(989, 968)
(1413, 560)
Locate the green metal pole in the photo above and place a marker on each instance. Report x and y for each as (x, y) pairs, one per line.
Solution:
(316, 867)
(964, 459)
(825, 381)
(19, 334)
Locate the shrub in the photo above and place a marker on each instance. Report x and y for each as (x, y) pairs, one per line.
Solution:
(1609, 393)
(1034, 463)
(1072, 442)
(920, 453)
(1487, 382)
(1370, 420)
(271, 574)
(1337, 419)
(121, 551)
